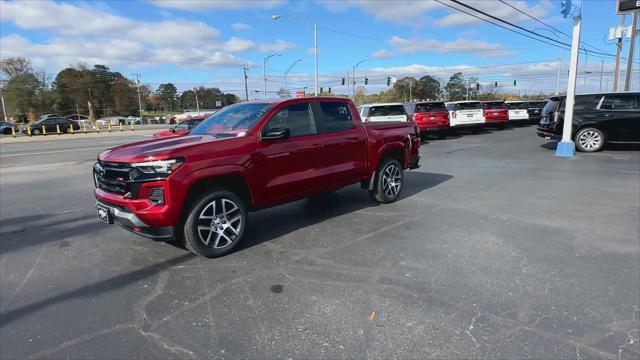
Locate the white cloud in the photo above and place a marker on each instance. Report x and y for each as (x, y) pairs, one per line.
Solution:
(236, 44)
(198, 5)
(477, 47)
(117, 40)
(381, 54)
(398, 11)
(498, 10)
(240, 26)
(413, 12)
(279, 45)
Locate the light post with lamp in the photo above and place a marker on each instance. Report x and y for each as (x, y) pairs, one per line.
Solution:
(353, 73)
(264, 72)
(315, 41)
(286, 91)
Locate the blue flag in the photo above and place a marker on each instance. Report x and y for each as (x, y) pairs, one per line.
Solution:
(571, 8)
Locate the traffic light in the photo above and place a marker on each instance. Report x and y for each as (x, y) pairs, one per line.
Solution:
(320, 89)
(329, 89)
(495, 84)
(477, 86)
(342, 81)
(514, 83)
(366, 81)
(388, 80)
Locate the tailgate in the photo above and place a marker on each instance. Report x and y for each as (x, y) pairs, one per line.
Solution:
(470, 116)
(389, 118)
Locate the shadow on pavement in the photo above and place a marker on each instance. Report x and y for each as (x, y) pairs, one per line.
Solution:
(551, 145)
(104, 286)
(270, 224)
(23, 234)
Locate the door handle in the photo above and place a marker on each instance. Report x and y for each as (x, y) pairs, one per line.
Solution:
(352, 138)
(607, 115)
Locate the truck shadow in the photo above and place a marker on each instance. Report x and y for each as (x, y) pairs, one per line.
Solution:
(272, 223)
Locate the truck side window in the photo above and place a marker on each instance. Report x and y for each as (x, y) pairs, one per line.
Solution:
(297, 118)
(337, 116)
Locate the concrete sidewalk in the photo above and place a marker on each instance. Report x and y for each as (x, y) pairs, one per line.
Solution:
(79, 135)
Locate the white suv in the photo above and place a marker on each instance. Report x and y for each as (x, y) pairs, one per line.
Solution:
(465, 114)
(388, 112)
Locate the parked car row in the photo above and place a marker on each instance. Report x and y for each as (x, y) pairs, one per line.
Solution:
(440, 118)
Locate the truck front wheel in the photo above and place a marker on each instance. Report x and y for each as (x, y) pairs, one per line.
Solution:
(388, 182)
(215, 223)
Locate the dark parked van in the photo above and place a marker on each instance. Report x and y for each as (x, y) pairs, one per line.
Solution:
(597, 118)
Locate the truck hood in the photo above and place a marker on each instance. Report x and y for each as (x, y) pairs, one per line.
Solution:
(154, 149)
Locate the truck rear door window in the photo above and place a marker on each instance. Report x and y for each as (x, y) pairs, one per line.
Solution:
(337, 116)
(386, 110)
(297, 118)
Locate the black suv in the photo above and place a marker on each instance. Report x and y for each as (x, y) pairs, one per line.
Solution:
(534, 108)
(597, 118)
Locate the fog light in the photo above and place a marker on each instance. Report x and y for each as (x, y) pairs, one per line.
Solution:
(156, 196)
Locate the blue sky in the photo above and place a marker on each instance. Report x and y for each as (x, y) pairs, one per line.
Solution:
(193, 43)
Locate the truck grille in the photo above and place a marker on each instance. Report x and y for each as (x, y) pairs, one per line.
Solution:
(112, 177)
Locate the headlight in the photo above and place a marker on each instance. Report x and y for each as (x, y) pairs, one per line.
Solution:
(159, 166)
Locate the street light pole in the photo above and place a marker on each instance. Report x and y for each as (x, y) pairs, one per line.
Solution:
(195, 91)
(264, 72)
(285, 76)
(354, 76)
(315, 42)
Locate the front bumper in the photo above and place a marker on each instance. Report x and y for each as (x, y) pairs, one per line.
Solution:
(131, 222)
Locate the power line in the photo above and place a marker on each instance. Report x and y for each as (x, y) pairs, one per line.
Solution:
(546, 24)
(554, 41)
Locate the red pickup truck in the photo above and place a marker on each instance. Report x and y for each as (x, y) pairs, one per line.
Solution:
(199, 188)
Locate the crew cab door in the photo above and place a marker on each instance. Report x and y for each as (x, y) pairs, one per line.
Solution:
(292, 166)
(345, 149)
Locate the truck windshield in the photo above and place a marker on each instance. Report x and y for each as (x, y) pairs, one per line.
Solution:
(233, 120)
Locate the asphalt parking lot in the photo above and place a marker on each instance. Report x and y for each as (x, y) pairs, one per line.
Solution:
(497, 249)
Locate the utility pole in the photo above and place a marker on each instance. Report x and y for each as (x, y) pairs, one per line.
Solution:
(4, 110)
(78, 110)
(566, 147)
(616, 71)
(195, 91)
(601, 71)
(634, 34)
(139, 98)
(245, 68)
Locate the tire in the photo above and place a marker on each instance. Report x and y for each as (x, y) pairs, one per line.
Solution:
(35, 131)
(210, 207)
(589, 140)
(383, 191)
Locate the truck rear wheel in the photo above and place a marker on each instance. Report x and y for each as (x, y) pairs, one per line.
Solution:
(389, 181)
(215, 223)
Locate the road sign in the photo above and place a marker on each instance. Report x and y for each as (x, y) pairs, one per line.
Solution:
(625, 6)
(299, 93)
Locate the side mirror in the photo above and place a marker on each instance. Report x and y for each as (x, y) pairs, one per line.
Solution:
(276, 134)
(173, 129)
